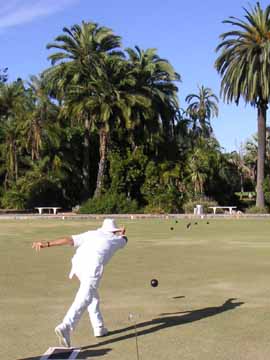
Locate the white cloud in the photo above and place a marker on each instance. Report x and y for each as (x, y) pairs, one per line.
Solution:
(17, 12)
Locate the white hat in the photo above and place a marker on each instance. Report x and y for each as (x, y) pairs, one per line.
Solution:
(109, 225)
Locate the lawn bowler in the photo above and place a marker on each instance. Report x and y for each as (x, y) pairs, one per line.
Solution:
(94, 250)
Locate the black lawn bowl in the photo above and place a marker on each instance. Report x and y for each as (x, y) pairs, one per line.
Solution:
(154, 282)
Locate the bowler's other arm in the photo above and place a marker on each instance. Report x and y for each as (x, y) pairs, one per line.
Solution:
(122, 232)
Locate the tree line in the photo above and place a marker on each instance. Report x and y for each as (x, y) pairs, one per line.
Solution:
(102, 127)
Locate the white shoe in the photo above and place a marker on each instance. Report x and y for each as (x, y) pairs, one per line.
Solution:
(63, 334)
(100, 331)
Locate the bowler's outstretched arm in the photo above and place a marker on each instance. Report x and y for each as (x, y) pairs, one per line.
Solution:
(37, 245)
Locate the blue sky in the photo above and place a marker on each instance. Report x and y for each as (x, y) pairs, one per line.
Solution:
(184, 32)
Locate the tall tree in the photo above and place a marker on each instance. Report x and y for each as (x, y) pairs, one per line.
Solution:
(202, 107)
(201, 163)
(238, 160)
(137, 96)
(108, 97)
(82, 48)
(42, 117)
(244, 66)
(154, 79)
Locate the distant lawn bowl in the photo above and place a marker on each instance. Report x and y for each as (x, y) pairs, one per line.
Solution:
(212, 299)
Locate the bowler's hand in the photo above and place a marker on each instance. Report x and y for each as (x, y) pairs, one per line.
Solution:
(122, 230)
(38, 245)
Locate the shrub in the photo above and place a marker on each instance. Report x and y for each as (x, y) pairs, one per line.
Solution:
(152, 209)
(267, 197)
(13, 199)
(205, 202)
(127, 173)
(266, 190)
(257, 210)
(166, 201)
(109, 203)
(161, 189)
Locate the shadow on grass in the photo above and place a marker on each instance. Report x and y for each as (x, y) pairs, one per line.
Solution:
(168, 320)
(82, 354)
(165, 320)
(178, 297)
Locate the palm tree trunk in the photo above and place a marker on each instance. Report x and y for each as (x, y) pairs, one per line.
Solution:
(103, 142)
(262, 107)
(86, 159)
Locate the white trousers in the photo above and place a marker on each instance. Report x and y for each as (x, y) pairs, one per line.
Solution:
(86, 298)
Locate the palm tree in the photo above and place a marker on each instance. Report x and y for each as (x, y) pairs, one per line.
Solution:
(198, 170)
(11, 99)
(202, 161)
(155, 80)
(244, 65)
(42, 117)
(108, 97)
(202, 107)
(239, 161)
(82, 49)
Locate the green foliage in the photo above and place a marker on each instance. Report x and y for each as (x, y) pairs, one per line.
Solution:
(223, 183)
(117, 173)
(257, 210)
(38, 192)
(191, 204)
(106, 122)
(14, 199)
(41, 185)
(246, 195)
(266, 189)
(161, 188)
(127, 173)
(45, 192)
(249, 45)
(167, 201)
(109, 203)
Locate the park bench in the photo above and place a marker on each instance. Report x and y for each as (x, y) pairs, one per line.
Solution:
(230, 208)
(49, 208)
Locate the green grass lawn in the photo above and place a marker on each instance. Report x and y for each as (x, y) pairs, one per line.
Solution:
(212, 302)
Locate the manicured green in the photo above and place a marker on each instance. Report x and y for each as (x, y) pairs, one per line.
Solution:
(190, 315)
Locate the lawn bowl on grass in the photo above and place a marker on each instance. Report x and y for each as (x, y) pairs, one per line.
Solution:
(154, 282)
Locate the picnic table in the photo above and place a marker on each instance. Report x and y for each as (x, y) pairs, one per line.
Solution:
(230, 208)
(49, 208)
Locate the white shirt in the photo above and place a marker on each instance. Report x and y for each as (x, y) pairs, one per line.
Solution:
(94, 250)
